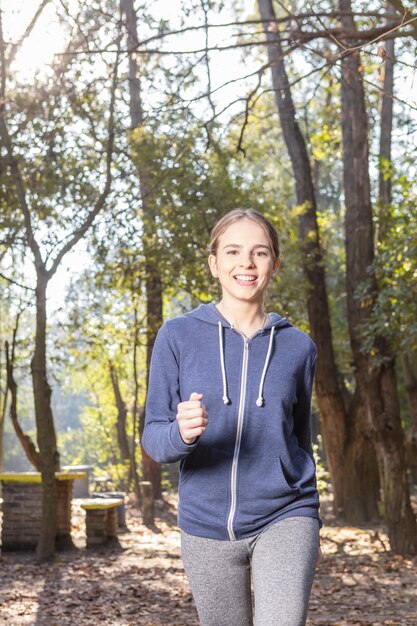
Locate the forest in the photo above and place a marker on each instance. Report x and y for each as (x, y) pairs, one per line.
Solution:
(127, 129)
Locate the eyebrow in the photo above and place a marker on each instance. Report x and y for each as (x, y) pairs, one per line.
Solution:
(236, 245)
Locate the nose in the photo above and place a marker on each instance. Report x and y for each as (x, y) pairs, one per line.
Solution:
(246, 259)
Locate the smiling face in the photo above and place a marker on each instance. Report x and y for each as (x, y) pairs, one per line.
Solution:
(244, 262)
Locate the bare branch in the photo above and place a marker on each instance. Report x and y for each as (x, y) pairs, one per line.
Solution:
(78, 234)
(280, 20)
(400, 8)
(382, 91)
(75, 21)
(30, 27)
(248, 108)
(17, 179)
(368, 36)
(14, 282)
(29, 447)
(208, 72)
(365, 80)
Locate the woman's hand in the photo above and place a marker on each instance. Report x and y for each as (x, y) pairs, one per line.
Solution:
(192, 418)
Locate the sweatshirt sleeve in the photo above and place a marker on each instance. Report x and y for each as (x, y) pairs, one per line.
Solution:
(161, 437)
(302, 410)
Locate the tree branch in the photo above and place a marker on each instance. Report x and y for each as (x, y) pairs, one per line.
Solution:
(17, 179)
(78, 234)
(248, 108)
(404, 12)
(15, 47)
(13, 282)
(369, 36)
(28, 446)
(280, 20)
(208, 71)
(13, 164)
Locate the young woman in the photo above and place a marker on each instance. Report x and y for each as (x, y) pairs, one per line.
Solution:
(229, 396)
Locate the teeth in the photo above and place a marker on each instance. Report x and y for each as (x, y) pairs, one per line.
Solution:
(247, 278)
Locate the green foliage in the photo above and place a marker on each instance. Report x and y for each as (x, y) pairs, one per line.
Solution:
(395, 267)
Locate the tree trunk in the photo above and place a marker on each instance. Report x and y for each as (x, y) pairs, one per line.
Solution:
(3, 409)
(411, 435)
(49, 457)
(151, 471)
(385, 141)
(135, 410)
(121, 423)
(376, 382)
(3, 399)
(386, 127)
(121, 415)
(384, 200)
(348, 446)
(27, 444)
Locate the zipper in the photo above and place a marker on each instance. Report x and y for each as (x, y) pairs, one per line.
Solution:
(233, 477)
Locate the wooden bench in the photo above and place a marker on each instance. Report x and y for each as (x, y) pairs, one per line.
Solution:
(101, 519)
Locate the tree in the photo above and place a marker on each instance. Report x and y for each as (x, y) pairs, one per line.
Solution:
(35, 206)
(153, 284)
(375, 378)
(343, 420)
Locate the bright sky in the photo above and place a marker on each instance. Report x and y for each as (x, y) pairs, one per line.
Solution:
(44, 41)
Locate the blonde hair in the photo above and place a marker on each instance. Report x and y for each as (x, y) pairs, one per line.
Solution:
(238, 214)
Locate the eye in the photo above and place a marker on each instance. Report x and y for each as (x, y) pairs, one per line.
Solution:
(261, 253)
(233, 252)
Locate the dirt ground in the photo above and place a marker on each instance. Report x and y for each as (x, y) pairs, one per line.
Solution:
(140, 580)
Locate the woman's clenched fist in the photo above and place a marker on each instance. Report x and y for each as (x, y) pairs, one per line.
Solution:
(192, 418)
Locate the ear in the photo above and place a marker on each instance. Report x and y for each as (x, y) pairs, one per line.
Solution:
(276, 267)
(212, 261)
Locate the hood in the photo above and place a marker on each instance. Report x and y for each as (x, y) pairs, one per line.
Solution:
(208, 313)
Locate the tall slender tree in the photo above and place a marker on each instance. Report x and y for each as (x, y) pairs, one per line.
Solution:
(384, 205)
(153, 279)
(376, 379)
(344, 424)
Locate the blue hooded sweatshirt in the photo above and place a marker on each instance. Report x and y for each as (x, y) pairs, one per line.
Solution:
(254, 464)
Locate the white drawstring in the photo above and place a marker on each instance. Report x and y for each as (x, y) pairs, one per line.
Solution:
(260, 400)
(225, 396)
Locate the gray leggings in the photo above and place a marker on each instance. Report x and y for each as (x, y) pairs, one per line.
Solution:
(282, 560)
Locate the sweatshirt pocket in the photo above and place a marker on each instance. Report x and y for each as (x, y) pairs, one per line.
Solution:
(298, 469)
(268, 484)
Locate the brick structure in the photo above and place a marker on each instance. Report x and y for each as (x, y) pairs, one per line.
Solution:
(101, 519)
(22, 509)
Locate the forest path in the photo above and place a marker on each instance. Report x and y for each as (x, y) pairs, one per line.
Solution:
(141, 582)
